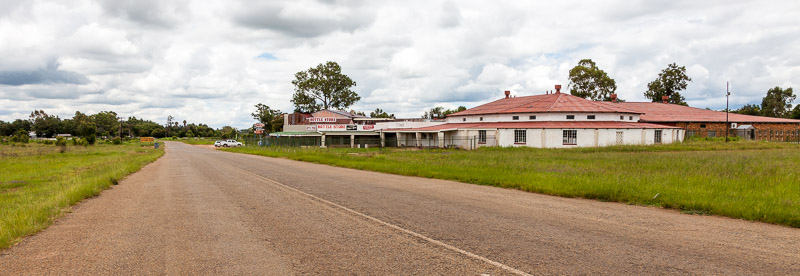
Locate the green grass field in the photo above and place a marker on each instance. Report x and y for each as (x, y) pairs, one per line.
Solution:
(196, 141)
(757, 181)
(38, 183)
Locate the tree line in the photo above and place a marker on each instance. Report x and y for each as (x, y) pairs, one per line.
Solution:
(587, 80)
(107, 124)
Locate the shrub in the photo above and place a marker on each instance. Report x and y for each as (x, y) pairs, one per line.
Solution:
(90, 139)
(174, 137)
(60, 141)
(116, 141)
(21, 136)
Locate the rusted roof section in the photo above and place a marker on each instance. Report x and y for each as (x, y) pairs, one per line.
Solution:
(535, 125)
(661, 112)
(559, 102)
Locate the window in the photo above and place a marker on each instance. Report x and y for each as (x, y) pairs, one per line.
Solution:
(481, 137)
(464, 119)
(691, 133)
(571, 137)
(657, 138)
(519, 136)
(570, 117)
(532, 117)
(481, 119)
(630, 118)
(622, 117)
(620, 138)
(514, 118)
(712, 134)
(424, 136)
(702, 125)
(590, 117)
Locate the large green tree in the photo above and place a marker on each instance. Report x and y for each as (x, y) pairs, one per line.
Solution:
(271, 118)
(669, 82)
(44, 125)
(796, 112)
(588, 81)
(107, 123)
(778, 102)
(323, 87)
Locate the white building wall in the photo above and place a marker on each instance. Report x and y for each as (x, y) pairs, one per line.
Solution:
(554, 138)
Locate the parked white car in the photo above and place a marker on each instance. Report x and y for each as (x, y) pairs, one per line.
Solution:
(227, 143)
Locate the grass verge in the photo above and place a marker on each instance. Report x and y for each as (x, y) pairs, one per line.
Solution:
(757, 181)
(197, 141)
(38, 182)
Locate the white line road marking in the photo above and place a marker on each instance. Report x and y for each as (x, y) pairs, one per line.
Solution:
(398, 228)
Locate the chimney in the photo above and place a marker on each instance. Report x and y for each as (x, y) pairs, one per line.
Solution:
(614, 98)
(558, 89)
(664, 99)
(508, 93)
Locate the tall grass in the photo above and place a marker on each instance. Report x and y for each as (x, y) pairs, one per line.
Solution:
(38, 182)
(757, 181)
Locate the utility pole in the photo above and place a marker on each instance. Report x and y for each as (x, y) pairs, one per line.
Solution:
(727, 107)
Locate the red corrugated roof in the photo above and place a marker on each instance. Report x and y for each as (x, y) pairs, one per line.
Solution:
(544, 103)
(546, 124)
(661, 112)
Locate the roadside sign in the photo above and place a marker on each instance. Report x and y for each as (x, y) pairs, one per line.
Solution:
(146, 139)
(259, 131)
(258, 125)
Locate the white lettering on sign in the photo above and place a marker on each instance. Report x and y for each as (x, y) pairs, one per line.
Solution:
(258, 125)
(331, 127)
(322, 120)
(367, 127)
(311, 127)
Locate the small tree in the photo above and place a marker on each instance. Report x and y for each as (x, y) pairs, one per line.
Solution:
(451, 111)
(778, 102)
(668, 83)
(21, 136)
(323, 87)
(271, 118)
(379, 113)
(588, 81)
(434, 113)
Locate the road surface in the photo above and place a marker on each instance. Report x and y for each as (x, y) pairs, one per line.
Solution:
(201, 211)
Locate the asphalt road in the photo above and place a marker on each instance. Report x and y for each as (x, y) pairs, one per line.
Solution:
(201, 211)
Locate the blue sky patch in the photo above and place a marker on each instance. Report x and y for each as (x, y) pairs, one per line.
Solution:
(267, 56)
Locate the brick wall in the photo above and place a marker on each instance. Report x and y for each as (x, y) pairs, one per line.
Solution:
(763, 131)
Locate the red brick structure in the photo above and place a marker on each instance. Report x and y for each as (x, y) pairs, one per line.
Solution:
(708, 123)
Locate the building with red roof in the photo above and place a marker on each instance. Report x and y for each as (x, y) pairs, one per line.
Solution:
(554, 120)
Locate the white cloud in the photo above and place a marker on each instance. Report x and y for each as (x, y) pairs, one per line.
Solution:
(199, 60)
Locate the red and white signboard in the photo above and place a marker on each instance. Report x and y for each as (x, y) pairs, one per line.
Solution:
(259, 131)
(331, 127)
(344, 128)
(258, 125)
(322, 119)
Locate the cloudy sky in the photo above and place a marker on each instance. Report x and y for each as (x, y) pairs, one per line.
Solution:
(211, 61)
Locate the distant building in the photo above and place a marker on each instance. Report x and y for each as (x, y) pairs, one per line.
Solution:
(334, 128)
